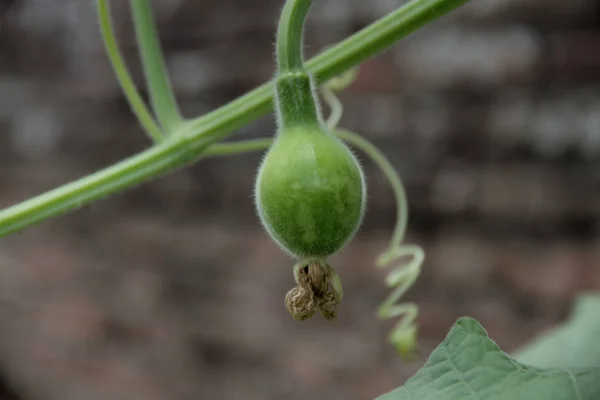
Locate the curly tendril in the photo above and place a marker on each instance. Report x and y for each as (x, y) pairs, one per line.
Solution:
(404, 261)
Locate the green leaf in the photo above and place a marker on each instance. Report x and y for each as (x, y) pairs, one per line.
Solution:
(469, 365)
(574, 344)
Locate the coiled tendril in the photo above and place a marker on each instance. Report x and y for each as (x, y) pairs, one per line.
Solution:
(403, 260)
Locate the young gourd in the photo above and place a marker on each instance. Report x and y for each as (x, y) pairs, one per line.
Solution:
(310, 196)
(310, 189)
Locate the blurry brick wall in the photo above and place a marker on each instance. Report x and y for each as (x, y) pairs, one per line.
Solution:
(172, 291)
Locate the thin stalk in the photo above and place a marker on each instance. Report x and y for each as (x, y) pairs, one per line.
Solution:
(136, 102)
(161, 93)
(390, 173)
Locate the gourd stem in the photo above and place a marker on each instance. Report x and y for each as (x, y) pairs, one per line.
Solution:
(295, 102)
(289, 36)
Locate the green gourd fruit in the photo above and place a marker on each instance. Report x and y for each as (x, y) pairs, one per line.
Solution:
(310, 189)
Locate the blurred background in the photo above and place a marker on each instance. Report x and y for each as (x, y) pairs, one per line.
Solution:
(173, 291)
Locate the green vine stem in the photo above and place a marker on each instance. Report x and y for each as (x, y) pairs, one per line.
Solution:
(188, 142)
(157, 77)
